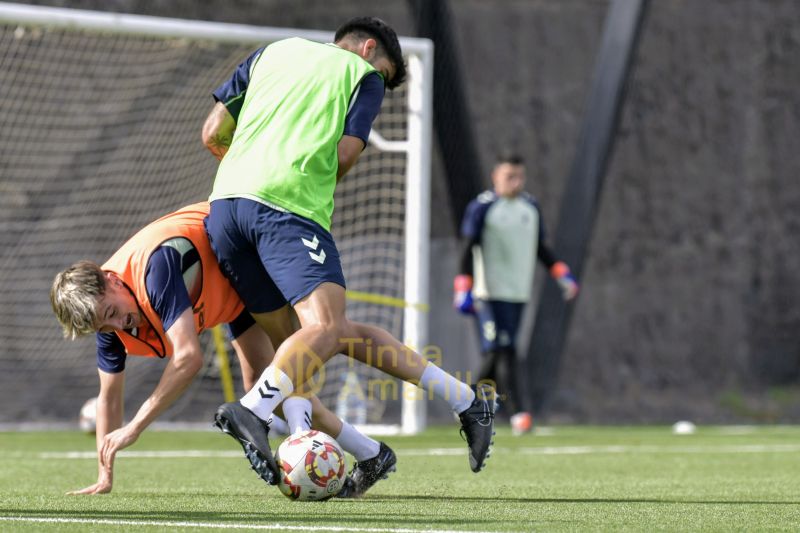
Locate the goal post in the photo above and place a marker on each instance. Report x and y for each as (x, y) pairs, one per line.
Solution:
(100, 119)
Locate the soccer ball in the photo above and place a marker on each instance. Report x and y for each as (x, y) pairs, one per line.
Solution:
(87, 420)
(311, 465)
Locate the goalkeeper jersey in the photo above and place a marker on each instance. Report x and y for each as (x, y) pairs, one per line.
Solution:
(284, 149)
(507, 233)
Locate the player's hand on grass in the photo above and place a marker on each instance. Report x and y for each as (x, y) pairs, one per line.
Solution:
(462, 294)
(97, 488)
(569, 287)
(103, 485)
(114, 442)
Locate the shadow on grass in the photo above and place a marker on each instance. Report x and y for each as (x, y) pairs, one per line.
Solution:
(511, 499)
(297, 512)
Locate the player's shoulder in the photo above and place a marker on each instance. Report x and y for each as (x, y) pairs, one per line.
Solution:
(486, 197)
(529, 198)
(481, 203)
(476, 211)
(288, 41)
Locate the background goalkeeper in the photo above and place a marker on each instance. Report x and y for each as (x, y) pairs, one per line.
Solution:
(504, 234)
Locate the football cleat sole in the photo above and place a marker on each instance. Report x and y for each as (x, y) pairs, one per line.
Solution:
(258, 463)
(491, 442)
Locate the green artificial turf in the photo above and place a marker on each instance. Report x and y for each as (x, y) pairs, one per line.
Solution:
(565, 479)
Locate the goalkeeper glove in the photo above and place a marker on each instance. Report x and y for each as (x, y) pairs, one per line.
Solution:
(462, 294)
(569, 287)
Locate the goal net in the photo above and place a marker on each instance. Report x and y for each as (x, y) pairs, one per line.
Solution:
(100, 120)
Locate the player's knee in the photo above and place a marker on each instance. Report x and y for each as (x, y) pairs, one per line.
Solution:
(332, 332)
(350, 332)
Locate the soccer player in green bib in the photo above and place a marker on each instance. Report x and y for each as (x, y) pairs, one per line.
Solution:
(290, 123)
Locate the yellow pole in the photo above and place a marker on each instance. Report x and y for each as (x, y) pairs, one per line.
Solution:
(224, 364)
(380, 299)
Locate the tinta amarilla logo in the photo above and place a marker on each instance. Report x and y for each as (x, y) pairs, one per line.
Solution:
(314, 244)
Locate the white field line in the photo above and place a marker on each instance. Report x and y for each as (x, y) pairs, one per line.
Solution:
(588, 450)
(155, 454)
(212, 525)
(543, 450)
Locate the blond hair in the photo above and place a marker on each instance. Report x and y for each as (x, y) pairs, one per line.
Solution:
(74, 296)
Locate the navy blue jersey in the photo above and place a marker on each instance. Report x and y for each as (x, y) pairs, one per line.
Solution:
(110, 353)
(231, 92)
(364, 108)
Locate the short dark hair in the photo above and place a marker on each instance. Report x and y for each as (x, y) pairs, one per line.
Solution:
(365, 27)
(512, 158)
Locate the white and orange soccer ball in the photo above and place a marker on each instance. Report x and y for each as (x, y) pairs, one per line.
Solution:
(311, 465)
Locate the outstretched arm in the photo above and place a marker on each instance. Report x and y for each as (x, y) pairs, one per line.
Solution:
(109, 418)
(178, 374)
(218, 130)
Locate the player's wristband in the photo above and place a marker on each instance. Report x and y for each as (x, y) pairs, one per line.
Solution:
(462, 283)
(559, 270)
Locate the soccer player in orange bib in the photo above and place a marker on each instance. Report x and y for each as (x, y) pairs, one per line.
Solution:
(152, 298)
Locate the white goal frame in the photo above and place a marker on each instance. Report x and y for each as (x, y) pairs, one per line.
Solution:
(417, 147)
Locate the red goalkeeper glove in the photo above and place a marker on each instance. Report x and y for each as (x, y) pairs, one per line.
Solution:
(569, 287)
(462, 294)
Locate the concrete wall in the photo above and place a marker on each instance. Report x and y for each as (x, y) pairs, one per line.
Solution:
(689, 306)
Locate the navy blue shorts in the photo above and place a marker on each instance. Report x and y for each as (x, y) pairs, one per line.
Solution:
(498, 323)
(240, 324)
(271, 257)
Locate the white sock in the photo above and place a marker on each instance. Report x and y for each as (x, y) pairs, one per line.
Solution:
(457, 393)
(278, 425)
(297, 411)
(357, 444)
(270, 389)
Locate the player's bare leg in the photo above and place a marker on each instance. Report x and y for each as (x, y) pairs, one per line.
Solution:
(278, 324)
(323, 325)
(325, 331)
(304, 410)
(302, 354)
(376, 347)
(475, 407)
(255, 350)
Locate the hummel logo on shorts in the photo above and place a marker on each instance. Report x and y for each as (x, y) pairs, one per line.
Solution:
(314, 244)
